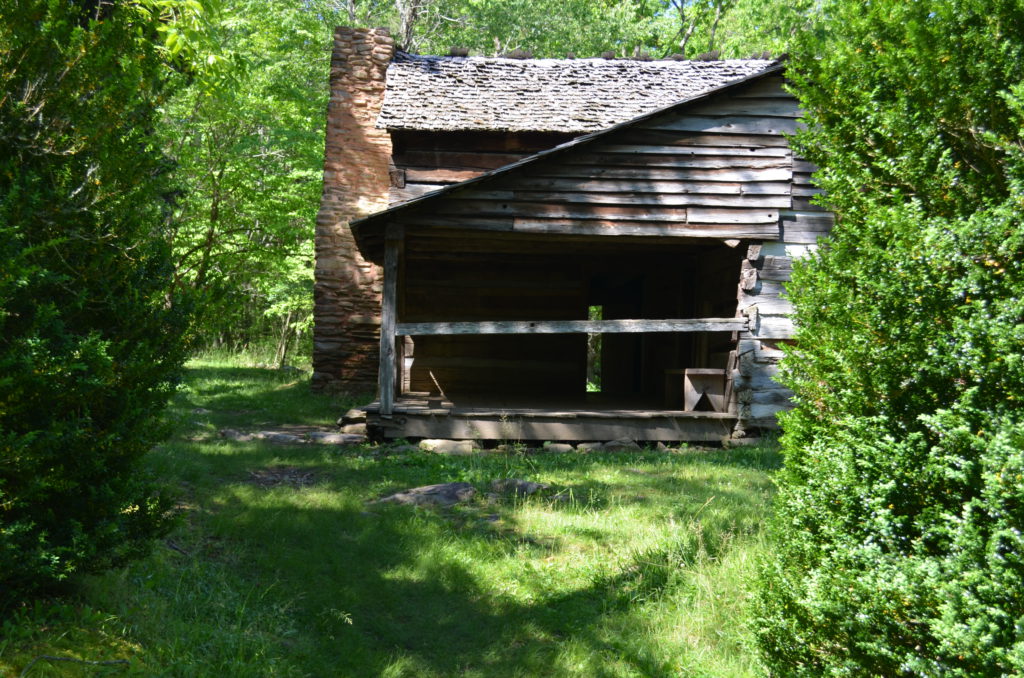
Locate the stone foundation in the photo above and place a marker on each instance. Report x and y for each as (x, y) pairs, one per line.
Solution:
(347, 288)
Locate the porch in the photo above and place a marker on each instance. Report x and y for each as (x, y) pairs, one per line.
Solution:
(592, 417)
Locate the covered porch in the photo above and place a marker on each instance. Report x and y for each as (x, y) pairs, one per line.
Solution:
(532, 337)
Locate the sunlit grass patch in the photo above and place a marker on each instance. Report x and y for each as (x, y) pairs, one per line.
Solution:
(631, 564)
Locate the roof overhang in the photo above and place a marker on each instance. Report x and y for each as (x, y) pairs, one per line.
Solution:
(370, 231)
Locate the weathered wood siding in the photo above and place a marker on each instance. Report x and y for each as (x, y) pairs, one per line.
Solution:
(426, 161)
(720, 169)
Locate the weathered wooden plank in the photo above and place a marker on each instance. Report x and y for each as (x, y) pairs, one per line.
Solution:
(455, 221)
(562, 211)
(766, 304)
(439, 176)
(573, 326)
(683, 139)
(772, 327)
(410, 191)
(702, 215)
(724, 125)
(805, 191)
(803, 166)
(802, 227)
(455, 159)
(386, 377)
(759, 351)
(681, 161)
(807, 204)
(759, 380)
(803, 178)
(776, 268)
(767, 87)
(781, 106)
(661, 173)
(796, 251)
(673, 230)
(706, 199)
(606, 185)
(680, 150)
(677, 426)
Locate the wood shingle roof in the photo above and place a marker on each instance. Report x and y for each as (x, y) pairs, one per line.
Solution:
(435, 93)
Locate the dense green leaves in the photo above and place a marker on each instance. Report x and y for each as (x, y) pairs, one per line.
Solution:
(901, 507)
(90, 333)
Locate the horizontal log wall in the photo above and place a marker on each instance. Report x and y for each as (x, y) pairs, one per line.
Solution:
(426, 161)
(440, 285)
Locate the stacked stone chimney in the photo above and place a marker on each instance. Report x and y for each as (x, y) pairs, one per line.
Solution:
(347, 288)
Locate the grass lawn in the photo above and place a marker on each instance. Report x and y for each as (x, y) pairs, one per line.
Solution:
(644, 571)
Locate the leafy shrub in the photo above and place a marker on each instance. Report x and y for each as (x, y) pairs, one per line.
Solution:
(90, 336)
(901, 506)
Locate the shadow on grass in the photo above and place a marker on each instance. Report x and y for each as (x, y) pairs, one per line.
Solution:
(259, 396)
(403, 591)
(405, 602)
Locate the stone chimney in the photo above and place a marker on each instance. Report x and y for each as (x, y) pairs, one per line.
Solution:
(347, 288)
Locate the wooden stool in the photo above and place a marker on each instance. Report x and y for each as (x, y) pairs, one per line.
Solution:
(699, 382)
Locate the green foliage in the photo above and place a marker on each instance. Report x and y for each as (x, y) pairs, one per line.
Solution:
(247, 141)
(901, 508)
(587, 28)
(90, 336)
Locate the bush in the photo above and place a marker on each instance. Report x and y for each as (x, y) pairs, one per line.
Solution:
(90, 335)
(898, 528)
(901, 506)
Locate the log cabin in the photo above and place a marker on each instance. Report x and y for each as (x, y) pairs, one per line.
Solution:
(559, 249)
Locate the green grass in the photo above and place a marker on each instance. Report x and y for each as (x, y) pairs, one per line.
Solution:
(646, 571)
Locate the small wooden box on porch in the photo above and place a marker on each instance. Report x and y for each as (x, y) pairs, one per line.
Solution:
(691, 384)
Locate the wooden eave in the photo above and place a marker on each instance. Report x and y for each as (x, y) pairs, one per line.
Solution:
(370, 231)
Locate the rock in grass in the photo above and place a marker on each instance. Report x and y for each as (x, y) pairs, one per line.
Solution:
(355, 429)
(455, 447)
(232, 434)
(558, 448)
(353, 416)
(323, 438)
(444, 494)
(621, 445)
(589, 447)
(523, 488)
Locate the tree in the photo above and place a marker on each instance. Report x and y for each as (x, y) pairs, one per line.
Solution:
(247, 141)
(91, 332)
(899, 519)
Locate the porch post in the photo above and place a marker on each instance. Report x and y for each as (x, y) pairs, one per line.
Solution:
(387, 371)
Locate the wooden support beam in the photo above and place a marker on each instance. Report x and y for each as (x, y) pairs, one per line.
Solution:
(387, 374)
(573, 326)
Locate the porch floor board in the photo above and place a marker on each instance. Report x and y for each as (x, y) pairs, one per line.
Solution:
(588, 418)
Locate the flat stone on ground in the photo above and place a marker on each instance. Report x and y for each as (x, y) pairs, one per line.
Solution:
(232, 434)
(558, 448)
(324, 438)
(444, 494)
(356, 429)
(280, 438)
(455, 447)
